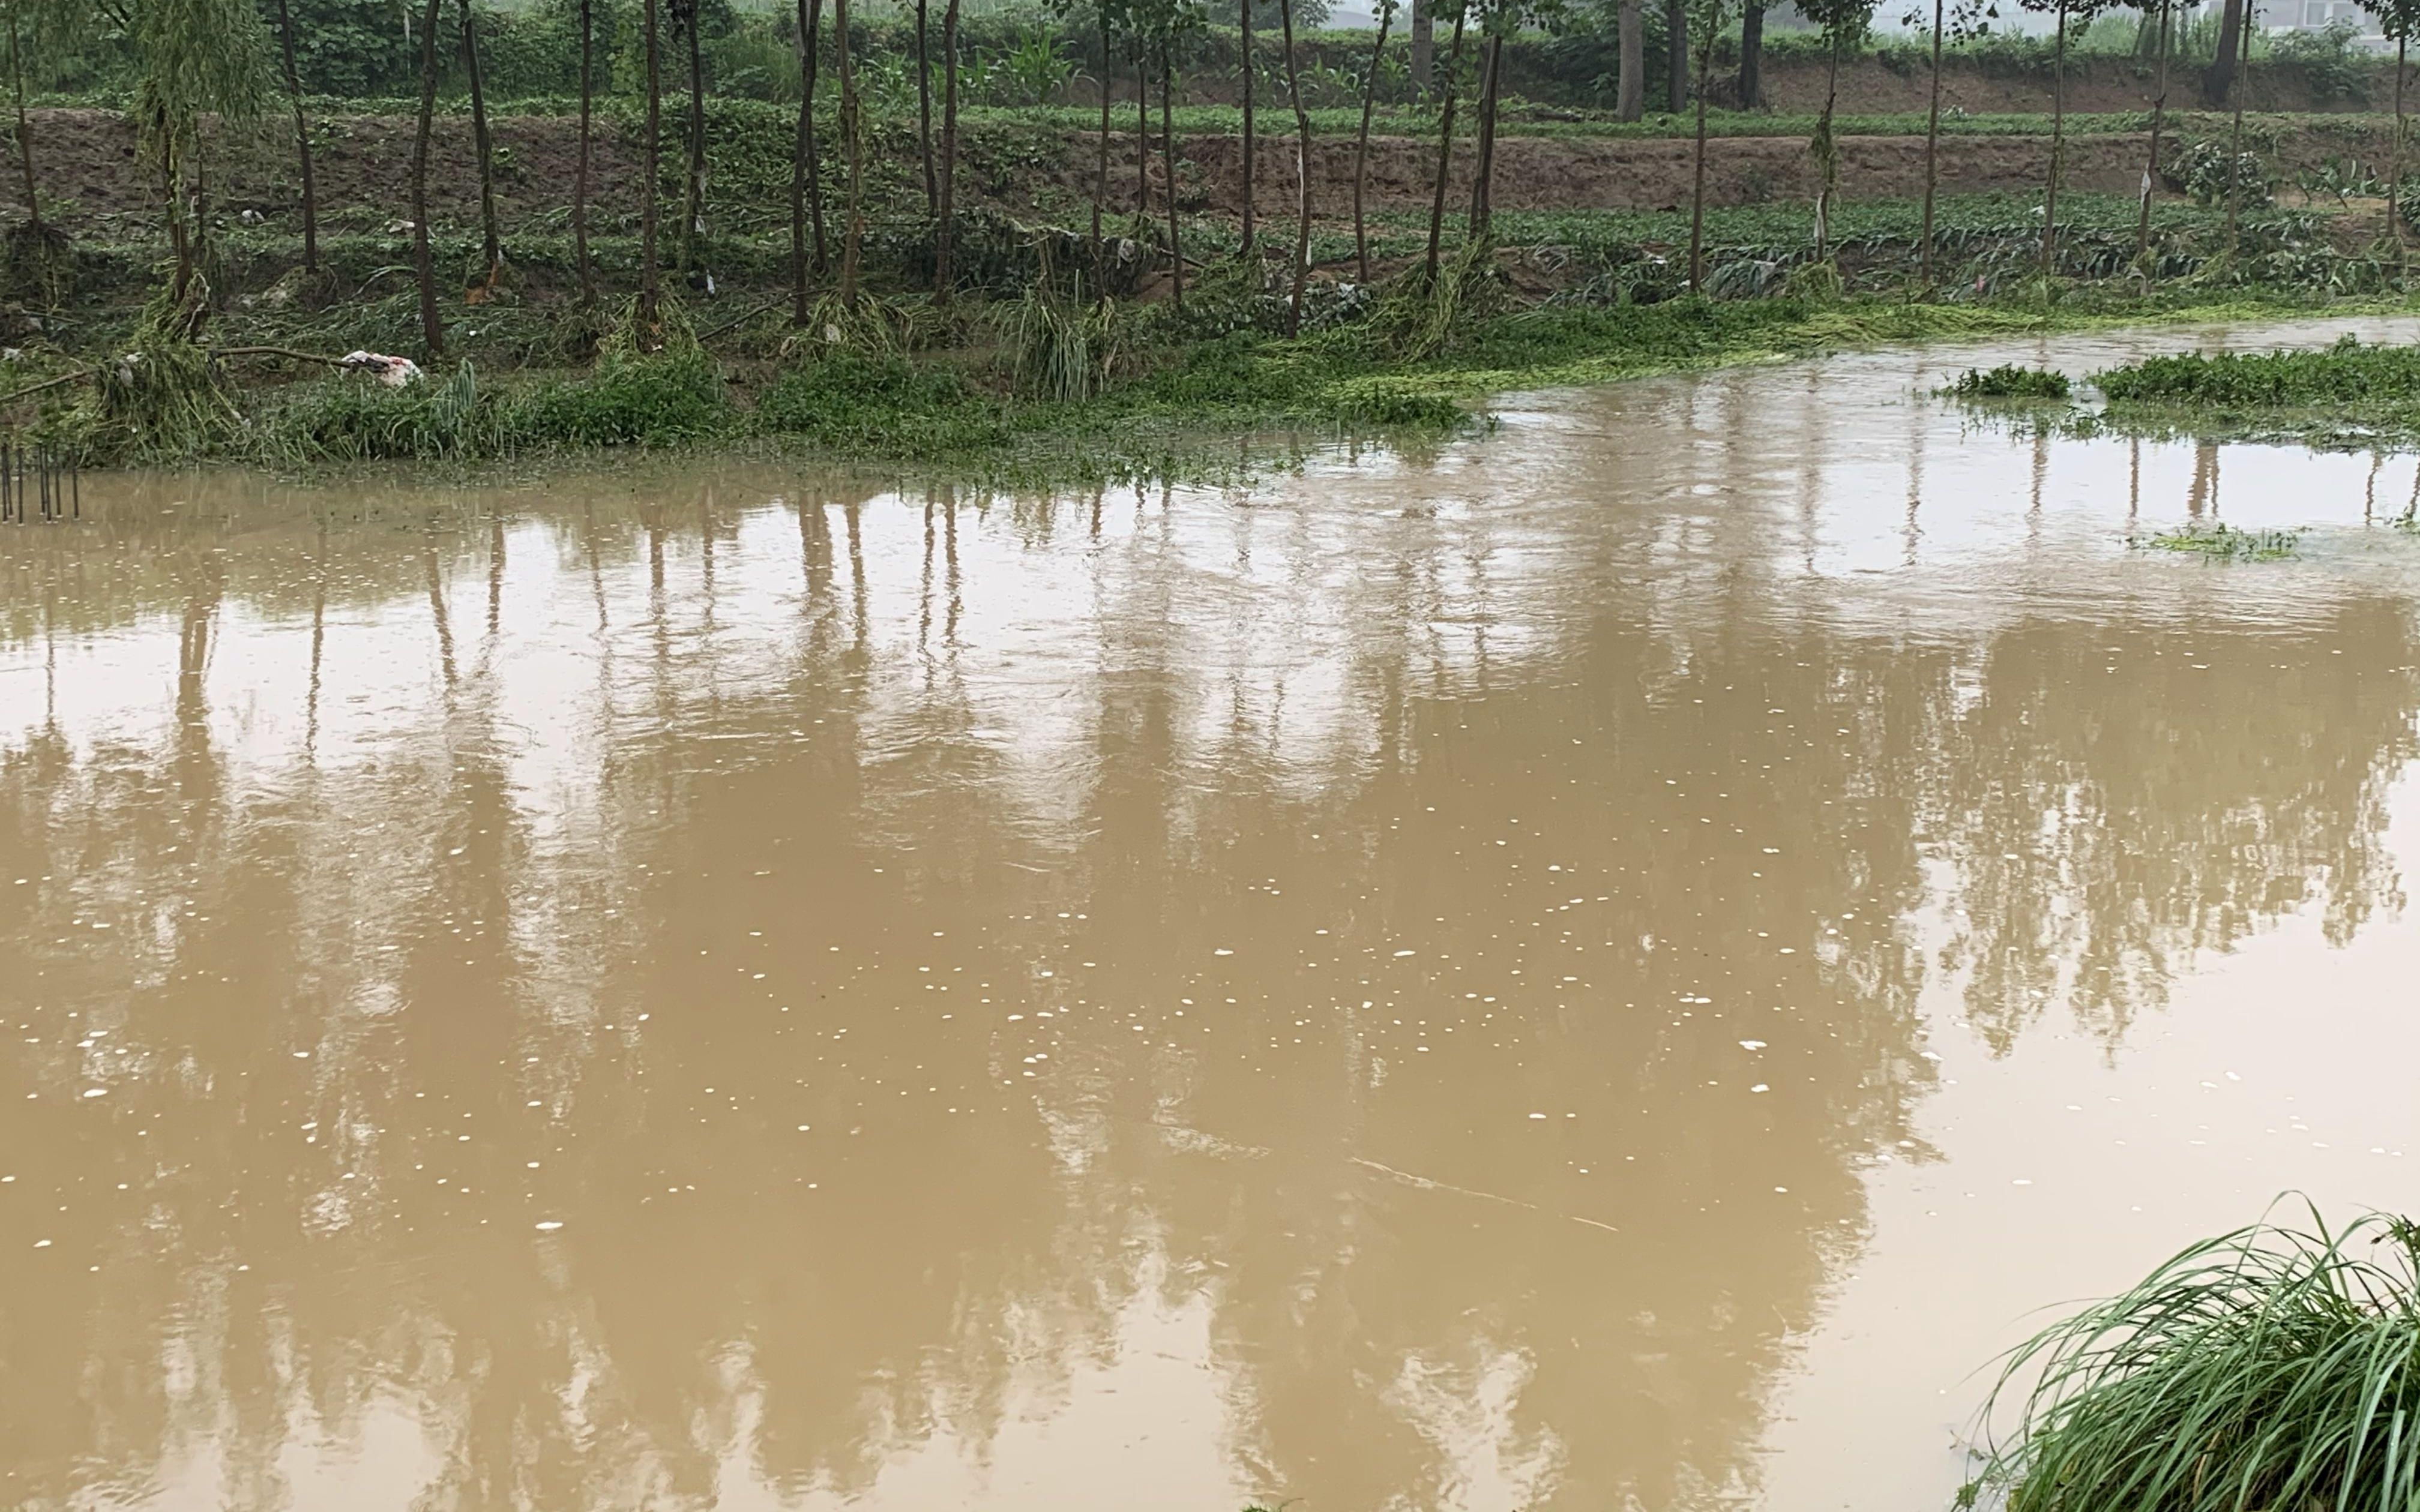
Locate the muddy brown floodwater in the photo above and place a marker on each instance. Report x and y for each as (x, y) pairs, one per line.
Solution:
(1612, 966)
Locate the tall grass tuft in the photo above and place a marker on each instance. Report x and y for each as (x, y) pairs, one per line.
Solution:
(1056, 350)
(2271, 1369)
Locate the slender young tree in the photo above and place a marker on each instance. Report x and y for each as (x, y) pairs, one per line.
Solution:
(945, 241)
(2398, 18)
(491, 240)
(802, 150)
(1387, 9)
(1424, 26)
(579, 174)
(1251, 140)
(2243, 83)
(1710, 18)
(2159, 19)
(302, 135)
(1301, 175)
(924, 113)
(1168, 162)
(1452, 86)
(651, 179)
(432, 328)
(1142, 122)
(196, 57)
(810, 21)
(1931, 153)
(1101, 167)
(852, 234)
(2064, 15)
(1483, 169)
(1843, 25)
(687, 23)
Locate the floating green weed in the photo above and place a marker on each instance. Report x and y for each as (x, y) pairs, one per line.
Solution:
(2009, 382)
(2348, 372)
(2271, 1367)
(2225, 542)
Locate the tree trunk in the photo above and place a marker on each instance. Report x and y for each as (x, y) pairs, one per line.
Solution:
(1482, 172)
(490, 242)
(1244, 17)
(1362, 142)
(810, 27)
(1101, 175)
(579, 175)
(2152, 163)
(852, 234)
(301, 139)
(1301, 175)
(1142, 130)
(2235, 139)
(1423, 48)
(172, 197)
(1931, 154)
(1445, 150)
(2395, 172)
(1168, 161)
(945, 241)
(1698, 190)
(1827, 158)
(2218, 79)
(801, 154)
(1630, 63)
(693, 186)
(924, 114)
(2058, 133)
(1751, 64)
(1676, 60)
(650, 181)
(432, 330)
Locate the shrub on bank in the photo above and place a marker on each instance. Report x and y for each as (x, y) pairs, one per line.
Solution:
(2271, 1367)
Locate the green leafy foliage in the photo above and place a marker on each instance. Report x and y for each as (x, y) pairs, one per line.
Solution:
(2348, 373)
(2010, 382)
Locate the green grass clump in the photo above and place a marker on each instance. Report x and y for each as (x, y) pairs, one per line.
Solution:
(640, 401)
(2346, 373)
(2225, 542)
(2269, 1368)
(2009, 382)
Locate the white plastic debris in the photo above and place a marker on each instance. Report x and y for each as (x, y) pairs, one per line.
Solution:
(394, 372)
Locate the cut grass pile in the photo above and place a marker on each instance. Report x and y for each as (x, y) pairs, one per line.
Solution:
(2272, 1367)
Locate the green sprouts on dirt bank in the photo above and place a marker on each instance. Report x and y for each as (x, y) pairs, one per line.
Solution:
(2272, 1367)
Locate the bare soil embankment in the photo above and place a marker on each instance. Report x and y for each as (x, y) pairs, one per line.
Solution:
(95, 185)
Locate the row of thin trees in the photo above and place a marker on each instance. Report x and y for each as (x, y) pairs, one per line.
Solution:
(215, 57)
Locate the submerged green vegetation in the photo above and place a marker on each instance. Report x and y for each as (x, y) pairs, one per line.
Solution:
(2273, 1368)
(2009, 382)
(2350, 396)
(2222, 542)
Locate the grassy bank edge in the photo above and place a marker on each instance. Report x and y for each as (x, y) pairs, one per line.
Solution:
(1418, 406)
(1224, 410)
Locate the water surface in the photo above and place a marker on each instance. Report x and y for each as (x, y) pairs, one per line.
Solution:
(1610, 967)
